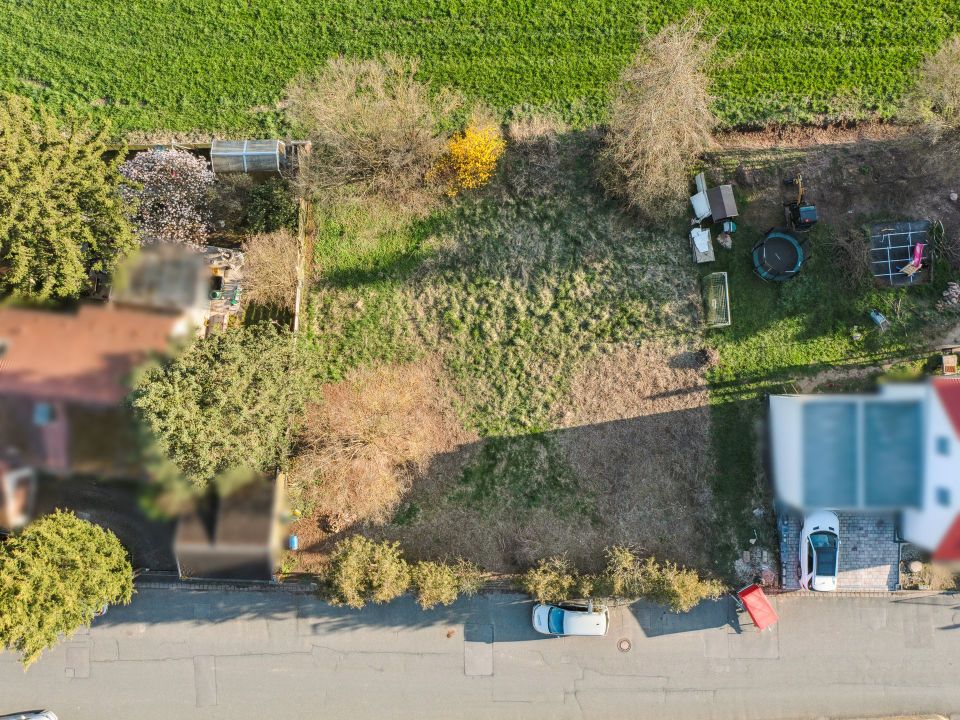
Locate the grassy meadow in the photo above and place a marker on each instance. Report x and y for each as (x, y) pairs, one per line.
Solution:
(221, 65)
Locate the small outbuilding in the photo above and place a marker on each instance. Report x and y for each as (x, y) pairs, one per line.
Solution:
(236, 537)
(716, 204)
(248, 156)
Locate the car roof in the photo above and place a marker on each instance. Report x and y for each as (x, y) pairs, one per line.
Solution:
(578, 622)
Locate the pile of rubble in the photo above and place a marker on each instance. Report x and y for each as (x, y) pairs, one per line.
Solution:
(951, 296)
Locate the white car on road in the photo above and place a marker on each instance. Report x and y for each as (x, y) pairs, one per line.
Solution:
(820, 551)
(570, 619)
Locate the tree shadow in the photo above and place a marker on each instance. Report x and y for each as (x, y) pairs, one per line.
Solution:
(657, 621)
(506, 502)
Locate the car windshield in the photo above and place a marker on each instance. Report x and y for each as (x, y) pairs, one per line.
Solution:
(825, 546)
(555, 621)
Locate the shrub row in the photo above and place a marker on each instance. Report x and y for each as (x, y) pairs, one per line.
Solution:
(362, 571)
(625, 577)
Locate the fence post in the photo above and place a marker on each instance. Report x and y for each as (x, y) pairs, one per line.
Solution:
(301, 233)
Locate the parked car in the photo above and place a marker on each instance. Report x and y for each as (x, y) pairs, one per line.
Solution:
(570, 619)
(30, 715)
(820, 551)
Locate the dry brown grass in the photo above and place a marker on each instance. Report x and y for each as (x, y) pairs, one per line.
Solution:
(377, 130)
(935, 99)
(660, 121)
(635, 428)
(270, 268)
(638, 435)
(533, 165)
(363, 441)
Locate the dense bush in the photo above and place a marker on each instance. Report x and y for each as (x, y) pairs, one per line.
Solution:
(222, 406)
(551, 580)
(435, 584)
(625, 577)
(629, 577)
(362, 570)
(470, 158)
(272, 207)
(54, 576)
(270, 268)
(438, 583)
(60, 216)
(376, 129)
(660, 121)
(470, 577)
(170, 193)
(678, 588)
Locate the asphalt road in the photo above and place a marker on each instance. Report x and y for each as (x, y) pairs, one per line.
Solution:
(193, 654)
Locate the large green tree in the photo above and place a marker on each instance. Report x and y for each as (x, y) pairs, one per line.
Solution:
(54, 576)
(61, 215)
(221, 408)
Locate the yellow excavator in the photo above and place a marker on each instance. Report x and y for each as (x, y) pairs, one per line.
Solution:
(800, 215)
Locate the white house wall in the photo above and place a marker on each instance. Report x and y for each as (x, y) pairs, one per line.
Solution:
(786, 439)
(927, 526)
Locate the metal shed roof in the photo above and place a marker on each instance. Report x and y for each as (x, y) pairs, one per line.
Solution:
(227, 156)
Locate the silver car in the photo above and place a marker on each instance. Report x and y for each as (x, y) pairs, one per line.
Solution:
(570, 619)
(31, 715)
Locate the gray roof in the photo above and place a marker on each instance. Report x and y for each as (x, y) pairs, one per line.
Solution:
(722, 203)
(862, 454)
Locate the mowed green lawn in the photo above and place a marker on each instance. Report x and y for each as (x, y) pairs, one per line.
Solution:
(222, 64)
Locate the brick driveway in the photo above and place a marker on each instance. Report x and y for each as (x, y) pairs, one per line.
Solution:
(868, 551)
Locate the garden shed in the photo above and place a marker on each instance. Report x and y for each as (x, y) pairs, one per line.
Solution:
(247, 156)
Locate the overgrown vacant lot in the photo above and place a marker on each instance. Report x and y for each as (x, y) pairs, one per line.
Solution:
(569, 398)
(571, 406)
(200, 65)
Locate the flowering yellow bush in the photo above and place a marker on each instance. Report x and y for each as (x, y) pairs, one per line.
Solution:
(470, 159)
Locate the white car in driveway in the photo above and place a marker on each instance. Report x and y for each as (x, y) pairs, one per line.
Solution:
(570, 619)
(820, 551)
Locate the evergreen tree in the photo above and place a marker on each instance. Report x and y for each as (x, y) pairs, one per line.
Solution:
(54, 576)
(61, 214)
(222, 407)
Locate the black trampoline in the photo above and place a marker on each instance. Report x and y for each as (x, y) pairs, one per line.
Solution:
(779, 256)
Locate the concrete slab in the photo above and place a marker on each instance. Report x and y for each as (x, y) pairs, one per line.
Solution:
(478, 649)
(205, 680)
(78, 661)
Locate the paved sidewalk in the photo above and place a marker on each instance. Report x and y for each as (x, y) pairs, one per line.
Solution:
(204, 654)
(869, 553)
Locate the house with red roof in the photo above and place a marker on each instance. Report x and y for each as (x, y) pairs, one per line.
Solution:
(64, 377)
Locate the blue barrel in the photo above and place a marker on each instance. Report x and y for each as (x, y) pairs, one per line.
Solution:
(293, 543)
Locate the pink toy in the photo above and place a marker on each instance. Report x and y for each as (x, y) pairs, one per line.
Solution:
(918, 254)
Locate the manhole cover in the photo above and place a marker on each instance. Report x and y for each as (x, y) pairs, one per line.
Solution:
(624, 645)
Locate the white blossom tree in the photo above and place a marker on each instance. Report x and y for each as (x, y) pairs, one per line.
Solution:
(170, 193)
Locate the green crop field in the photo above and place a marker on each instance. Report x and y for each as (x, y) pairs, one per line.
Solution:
(221, 64)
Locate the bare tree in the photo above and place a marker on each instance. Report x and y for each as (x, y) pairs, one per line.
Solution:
(270, 268)
(660, 120)
(377, 130)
